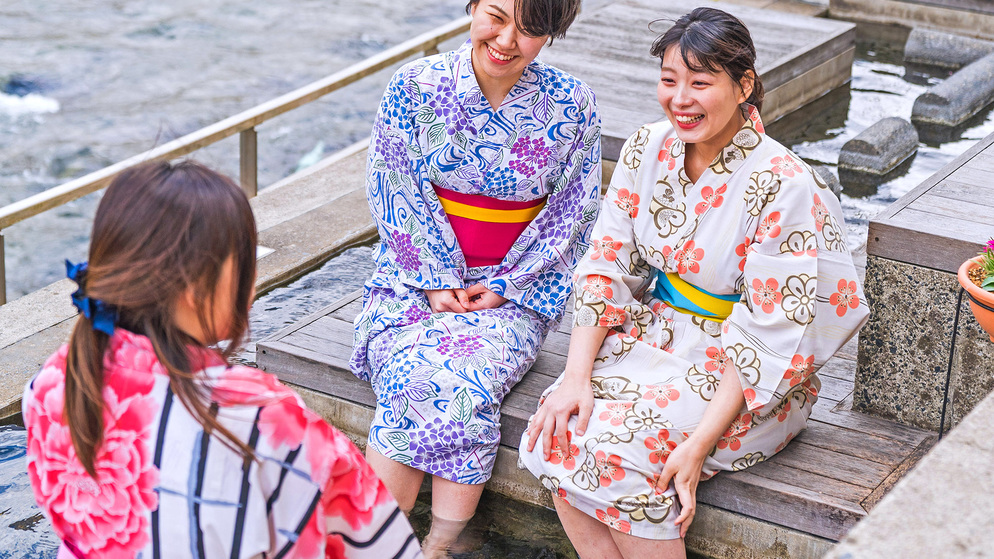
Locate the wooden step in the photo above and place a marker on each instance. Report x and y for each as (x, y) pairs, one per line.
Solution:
(822, 483)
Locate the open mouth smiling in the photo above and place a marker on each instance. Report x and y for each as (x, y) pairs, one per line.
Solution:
(497, 55)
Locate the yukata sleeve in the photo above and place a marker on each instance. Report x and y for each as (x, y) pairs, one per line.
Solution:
(803, 299)
(545, 256)
(411, 248)
(613, 276)
(347, 511)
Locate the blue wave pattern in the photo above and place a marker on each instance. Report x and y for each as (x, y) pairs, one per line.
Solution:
(440, 379)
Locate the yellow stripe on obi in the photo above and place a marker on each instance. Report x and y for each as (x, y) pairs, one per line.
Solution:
(687, 298)
(490, 215)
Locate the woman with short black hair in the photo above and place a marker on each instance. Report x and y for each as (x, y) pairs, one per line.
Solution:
(483, 176)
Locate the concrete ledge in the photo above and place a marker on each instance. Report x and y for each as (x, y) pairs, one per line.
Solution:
(942, 508)
(911, 14)
(715, 533)
(810, 85)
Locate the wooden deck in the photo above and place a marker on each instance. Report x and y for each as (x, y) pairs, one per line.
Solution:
(822, 483)
(800, 58)
(945, 220)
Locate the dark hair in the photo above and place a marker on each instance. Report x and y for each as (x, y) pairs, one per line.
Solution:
(714, 41)
(159, 230)
(540, 18)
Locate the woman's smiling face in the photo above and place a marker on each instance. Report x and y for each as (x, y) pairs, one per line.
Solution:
(703, 107)
(500, 50)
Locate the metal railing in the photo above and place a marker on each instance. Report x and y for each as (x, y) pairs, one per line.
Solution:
(243, 124)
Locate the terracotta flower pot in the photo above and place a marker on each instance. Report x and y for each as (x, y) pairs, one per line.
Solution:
(981, 301)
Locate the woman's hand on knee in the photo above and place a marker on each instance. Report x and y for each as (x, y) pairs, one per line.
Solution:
(683, 467)
(552, 418)
(447, 300)
(479, 298)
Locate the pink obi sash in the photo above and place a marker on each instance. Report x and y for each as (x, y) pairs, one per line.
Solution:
(486, 227)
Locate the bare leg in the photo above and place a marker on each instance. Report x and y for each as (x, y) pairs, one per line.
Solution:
(632, 547)
(452, 506)
(591, 538)
(402, 481)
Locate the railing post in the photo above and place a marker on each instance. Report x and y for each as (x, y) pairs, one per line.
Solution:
(3, 275)
(431, 50)
(249, 162)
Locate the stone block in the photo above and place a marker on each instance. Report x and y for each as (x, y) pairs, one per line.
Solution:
(881, 148)
(904, 349)
(946, 50)
(958, 98)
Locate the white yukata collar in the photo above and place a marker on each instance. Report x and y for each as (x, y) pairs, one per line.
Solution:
(747, 139)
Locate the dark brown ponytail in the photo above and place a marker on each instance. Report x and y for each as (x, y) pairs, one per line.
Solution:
(159, 229)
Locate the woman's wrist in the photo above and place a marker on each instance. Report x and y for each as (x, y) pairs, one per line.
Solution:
(700, 445)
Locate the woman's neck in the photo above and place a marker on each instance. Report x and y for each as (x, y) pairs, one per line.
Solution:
(700, 155)
(493, 89)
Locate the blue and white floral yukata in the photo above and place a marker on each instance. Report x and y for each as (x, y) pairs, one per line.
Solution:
(440, 378)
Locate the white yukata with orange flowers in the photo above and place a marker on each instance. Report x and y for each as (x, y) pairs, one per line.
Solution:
(757, 223)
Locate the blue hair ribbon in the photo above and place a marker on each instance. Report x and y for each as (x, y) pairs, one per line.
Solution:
(102, 315)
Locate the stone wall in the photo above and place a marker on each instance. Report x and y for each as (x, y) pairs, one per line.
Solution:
(904, 349)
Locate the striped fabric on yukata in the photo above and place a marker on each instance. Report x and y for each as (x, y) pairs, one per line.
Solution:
(164, 488)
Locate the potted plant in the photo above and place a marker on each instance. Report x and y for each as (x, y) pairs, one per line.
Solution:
(977, 278)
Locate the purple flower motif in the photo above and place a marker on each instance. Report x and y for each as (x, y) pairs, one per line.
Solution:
(530, 155)
(462, 345)
(445, 105)
(439, 444)
(390, 148)
(407, 254)
(413, 314)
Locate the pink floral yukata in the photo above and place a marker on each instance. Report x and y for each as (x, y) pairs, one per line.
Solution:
(165, 489)
(757, 223)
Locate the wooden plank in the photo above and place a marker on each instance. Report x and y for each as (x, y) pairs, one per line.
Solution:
(949, 210)
(781, 503)
(855, 443)
(895, 476)
(904, 242)
(302, 323)
(966, 226)
(970, 175)
(787, 48)
(839, 368)
(835, 389)
(978, 195)
(803, 479)
(851, 469)
(925, 186)
(351, 310)
(869, 424)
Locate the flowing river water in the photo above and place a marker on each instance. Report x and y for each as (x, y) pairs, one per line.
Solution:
(83, 88)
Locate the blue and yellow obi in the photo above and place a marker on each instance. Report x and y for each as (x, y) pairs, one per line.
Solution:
(687, 298)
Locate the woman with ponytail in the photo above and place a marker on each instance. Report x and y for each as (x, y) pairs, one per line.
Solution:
(143, 439)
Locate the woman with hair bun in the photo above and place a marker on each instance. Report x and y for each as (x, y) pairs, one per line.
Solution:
(483, 177)
(718, 282)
